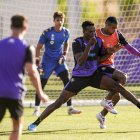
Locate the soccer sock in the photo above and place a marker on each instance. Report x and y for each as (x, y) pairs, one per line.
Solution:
(37, 107)
(38, 121)
(138, 106)
(69, 102)
(70, 107)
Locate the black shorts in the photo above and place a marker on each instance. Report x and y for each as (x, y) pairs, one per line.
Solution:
(107, 70)
(15, 108)
(76, 83)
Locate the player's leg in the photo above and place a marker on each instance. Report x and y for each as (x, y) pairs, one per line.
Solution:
(2, 108)
(121, 78)
(72, 88)
(16, 110)
(114, 86)
(37, 99)
(64, 76)
(47, 71)
(17, 129)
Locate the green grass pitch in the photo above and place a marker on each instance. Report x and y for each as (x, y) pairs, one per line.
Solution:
(60, 126)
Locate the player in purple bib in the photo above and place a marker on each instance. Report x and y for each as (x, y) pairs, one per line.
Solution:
(88, 53)
(15, 55)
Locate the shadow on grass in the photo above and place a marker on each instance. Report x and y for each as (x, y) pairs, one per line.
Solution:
(67, 131)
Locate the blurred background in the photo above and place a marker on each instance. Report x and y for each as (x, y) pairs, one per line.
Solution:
(40, 16)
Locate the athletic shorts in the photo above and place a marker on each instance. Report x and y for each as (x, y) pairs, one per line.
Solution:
(15, 108)
(107, 70)
(76, 83)
(48, 69)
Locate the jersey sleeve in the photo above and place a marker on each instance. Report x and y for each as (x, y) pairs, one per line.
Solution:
(122, 39)
(67, 36)
(76, 47)
(43, 38)
(30, 55)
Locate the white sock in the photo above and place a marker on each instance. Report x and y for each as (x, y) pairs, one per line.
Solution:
(70, 107)
(37, 107)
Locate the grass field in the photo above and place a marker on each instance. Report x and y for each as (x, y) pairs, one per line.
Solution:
(60, 126)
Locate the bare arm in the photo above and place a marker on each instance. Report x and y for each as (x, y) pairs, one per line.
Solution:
(109, 52)
(38, 49)
(33, 73)
(66, 48)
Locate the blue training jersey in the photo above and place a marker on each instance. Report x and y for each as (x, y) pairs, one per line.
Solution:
(54, 43)
(12, 60)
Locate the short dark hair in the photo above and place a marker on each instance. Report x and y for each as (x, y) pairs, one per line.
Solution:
(58, 15)
(17, 21)
(87, 23)
(111, 20)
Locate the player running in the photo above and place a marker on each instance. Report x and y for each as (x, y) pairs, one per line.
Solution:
(15, 55)
(87, 52)
(112, 38)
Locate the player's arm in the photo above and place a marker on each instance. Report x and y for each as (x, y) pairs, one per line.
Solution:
(33, 73)
(127, 46)
(41, 42)
(66, 49)
(38, 50)
(80, 55)
(106, 53)
(66, 45)
(103, 55)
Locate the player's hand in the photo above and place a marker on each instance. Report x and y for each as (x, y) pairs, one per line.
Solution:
(43, 97)
(37, 61)
(114, 49)
(40, 70)
(92, 41)
(62, 59)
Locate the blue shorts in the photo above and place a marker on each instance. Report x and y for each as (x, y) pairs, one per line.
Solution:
(48, 69)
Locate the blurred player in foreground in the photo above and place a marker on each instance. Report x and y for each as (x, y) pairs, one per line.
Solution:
(87, 52)
(15, 55)
(56, 42)
(112, 39)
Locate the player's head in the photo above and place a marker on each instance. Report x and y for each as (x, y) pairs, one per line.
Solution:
(59, 19)
(19, 23)
(88, 29)
(111, 25)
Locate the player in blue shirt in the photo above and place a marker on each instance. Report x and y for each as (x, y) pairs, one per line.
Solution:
(56, 43)
(15, 55)
(87, 52)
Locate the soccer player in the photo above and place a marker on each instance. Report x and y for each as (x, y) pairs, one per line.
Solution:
(56, 42)
(111, 37)
(15, 55)
(87, 50)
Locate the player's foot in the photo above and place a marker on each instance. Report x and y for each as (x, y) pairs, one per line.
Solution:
(32, 127)
(73, 111)
(101, 120)
(36, 112)
(109, 106)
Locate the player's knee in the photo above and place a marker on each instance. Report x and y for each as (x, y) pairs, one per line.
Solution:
(123, 79)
